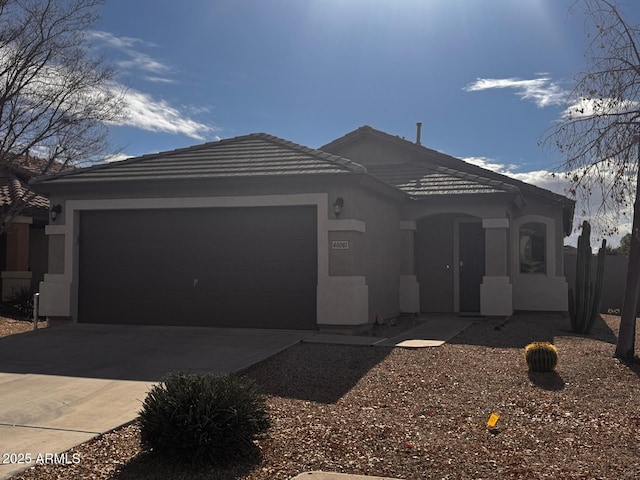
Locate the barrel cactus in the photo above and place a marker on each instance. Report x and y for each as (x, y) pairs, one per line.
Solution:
(541, 356)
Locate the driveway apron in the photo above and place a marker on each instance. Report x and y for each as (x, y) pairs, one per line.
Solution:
(62, 386)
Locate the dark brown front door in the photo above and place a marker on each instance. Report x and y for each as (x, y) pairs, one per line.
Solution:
(434, 255)
(471, 242)
(223, 267)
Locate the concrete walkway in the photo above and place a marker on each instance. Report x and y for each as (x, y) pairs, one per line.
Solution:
(432, 331)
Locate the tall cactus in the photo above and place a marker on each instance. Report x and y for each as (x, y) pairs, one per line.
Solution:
(584, 307)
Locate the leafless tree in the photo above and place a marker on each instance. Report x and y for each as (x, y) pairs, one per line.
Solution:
(56, 97)
(599, 136)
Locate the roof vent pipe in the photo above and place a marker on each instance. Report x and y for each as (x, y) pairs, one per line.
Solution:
(419, 129)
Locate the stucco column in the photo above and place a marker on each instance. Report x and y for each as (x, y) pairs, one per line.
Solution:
(496, 291)
(409, 287)
(17, 274)
(343, 295)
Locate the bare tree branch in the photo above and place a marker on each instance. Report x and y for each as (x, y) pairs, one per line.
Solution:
(56, 99)
(600, 133)
(599, 130)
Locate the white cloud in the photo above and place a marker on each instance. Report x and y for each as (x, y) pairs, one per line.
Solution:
(116, 157)
(116, 41)
(540, 178)
(542, 91)
(142, 110)
(160, 80)
(134, 58)
(142, 61)
(147, 113)
(490, 164)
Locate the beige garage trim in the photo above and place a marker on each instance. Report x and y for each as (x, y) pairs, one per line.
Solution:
(59, 292)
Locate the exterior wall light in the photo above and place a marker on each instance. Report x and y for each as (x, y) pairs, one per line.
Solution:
(55, 210)
(337, 206)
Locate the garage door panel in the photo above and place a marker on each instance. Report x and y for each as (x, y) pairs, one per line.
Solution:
(215, 267)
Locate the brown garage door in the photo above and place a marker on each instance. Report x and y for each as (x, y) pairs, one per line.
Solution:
(226, 267)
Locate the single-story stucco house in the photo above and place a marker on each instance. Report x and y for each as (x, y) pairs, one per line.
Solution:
(256, 231)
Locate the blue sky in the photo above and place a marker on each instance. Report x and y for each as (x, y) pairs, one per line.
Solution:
(486, 78)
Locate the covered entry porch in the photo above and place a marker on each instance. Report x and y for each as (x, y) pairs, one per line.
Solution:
(482, 258)
(456, 262)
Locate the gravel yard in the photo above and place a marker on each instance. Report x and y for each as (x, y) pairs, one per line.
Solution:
(12, 326)
(421, 414)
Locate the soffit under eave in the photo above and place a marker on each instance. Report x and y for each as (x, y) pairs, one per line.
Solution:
(511, 201)
(515, 198)
(494, 205)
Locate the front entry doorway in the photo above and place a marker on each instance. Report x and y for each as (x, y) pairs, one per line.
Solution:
(471, 257)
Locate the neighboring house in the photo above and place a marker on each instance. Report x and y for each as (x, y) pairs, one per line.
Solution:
(256, 231)
(23, 246)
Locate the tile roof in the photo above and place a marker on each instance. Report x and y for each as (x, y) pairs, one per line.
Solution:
(421, 180)
(13, 189)
(262, 155)
(257, 154)
(14, 178)
(434, 158)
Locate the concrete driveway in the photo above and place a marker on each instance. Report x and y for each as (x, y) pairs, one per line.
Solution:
(62, 386)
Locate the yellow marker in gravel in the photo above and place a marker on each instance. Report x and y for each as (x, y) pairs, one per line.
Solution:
(493, 420)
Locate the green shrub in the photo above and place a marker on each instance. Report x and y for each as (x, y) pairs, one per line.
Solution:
(203, 418)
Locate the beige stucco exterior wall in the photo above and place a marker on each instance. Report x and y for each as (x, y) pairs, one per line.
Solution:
(374, 151)
(496, 290)
(353, 284)
(547, 291)
(540, 291)
(380, 255)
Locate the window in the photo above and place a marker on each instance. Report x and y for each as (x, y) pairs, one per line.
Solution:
(533, 248)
